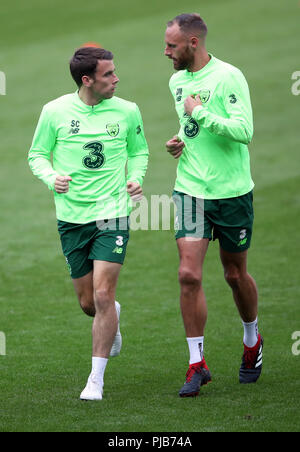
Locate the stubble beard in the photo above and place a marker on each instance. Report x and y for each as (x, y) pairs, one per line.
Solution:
(186, 61)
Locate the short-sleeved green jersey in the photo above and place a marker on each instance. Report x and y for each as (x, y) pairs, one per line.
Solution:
(95, 146)
(215, 163)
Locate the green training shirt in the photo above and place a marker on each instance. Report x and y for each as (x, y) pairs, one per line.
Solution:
(95, 146)
(215, 163)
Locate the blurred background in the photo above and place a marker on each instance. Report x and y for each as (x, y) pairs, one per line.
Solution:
(38, 311)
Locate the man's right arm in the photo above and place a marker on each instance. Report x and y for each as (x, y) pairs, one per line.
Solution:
(39, 156)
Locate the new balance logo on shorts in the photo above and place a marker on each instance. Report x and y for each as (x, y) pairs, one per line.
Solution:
(118, 250)
(243, 238)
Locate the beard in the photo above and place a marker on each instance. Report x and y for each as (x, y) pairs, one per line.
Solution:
(185, 61)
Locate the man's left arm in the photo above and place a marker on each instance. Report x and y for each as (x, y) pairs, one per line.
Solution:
(238, 126)
(138, 153)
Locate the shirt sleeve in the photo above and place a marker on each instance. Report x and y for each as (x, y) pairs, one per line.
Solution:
(180, 133)
(39, 157)
(238, 125)
(137, 148)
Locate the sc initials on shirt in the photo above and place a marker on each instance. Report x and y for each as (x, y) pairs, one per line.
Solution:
(75, 125)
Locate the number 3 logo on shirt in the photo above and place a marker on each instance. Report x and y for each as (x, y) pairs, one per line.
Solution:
(95, 159)
(233, 98)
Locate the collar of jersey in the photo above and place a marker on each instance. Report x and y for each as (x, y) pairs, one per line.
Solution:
(204, 69)
(85, 107)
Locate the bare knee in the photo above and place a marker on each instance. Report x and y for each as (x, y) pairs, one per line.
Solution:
(189, 279)
(103, 299)
(87, 305)
(233, 277)
(84, 290)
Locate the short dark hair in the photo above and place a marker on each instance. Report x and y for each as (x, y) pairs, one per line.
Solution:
(190, 23)
(85, 60)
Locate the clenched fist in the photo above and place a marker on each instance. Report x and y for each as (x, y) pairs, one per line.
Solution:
(175, 146)
(62, 184)
(134, 190)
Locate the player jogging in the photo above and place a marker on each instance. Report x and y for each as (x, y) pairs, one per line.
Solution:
(213, 190)
(92, 137)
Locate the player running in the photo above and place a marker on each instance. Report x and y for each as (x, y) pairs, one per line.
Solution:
(92, 135)
(213, 190)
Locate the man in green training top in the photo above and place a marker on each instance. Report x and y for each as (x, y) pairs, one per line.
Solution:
(92, 137)
(213, 190)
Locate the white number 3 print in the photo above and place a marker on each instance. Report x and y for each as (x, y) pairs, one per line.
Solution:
(120, 240)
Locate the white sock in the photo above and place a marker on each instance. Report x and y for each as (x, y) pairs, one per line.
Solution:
(196, 345)
(98, 367)
(250, 333)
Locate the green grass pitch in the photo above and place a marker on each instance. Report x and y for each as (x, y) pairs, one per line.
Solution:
(48, 339)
